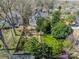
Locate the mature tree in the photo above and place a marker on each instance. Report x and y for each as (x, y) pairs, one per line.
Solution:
(23, 7)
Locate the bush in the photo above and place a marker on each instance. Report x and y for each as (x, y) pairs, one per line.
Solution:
(42, 51)
(68, 18)
(61, 30)
(66, 43)
(74, 57)
(52, 42)
(47, 48)
(43, 24)
(30, 44)
(56, 16)
(25, 45)
(39, 50)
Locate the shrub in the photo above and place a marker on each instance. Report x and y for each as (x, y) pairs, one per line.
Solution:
(74, 57)
(68, 18)
(56, 16)
(30, 44)
(43, 24)
(52, 42)
(61, 30)
(40, 50)
(66, 43)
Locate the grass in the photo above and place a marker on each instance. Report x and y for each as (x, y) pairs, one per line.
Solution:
(11, 39)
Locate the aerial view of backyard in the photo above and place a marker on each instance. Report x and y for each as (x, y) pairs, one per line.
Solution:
(39, 29)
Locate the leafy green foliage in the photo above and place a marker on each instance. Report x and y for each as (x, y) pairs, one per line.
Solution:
(56, 17)
(41, 50)
(47, 48)
(74, 57)
(27, 46)
(61, 30)
(43, 24)
(30, 44)
(34, 44)
(69, 18)
(66, 43)
(52, 42)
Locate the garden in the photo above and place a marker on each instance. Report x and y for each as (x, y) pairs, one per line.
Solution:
(51, 37)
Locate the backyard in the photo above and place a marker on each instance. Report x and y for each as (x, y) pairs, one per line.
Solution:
(39, 29)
